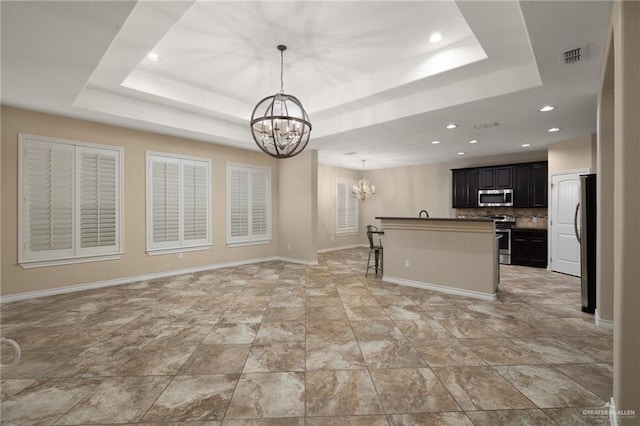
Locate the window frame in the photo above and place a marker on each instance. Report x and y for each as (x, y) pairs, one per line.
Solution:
(181, 245)
(77, 253)
(250, 238)
(349, 184)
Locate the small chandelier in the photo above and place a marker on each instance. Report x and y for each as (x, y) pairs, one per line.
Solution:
(279, 124)
(363, 189)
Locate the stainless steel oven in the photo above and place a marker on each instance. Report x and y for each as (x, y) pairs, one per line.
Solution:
(504, 245)
(504, 224)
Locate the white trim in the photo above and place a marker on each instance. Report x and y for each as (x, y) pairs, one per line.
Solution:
(603, 323)
(613, 414)
(156, 252)
(330, 249)
(298, 261)
(249, 243)
(440, 288)
(70, 261)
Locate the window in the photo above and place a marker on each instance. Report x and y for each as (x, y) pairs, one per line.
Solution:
(178, 203)
(248, 204)
(346, 207)
(70, 202)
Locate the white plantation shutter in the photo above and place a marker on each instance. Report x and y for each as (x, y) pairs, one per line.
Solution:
(346, 207)
(248, 204)
(70, 201)
(238, 215)
(48, 200)
(195, 189)
(260, 203)
(165, 189)
(97, 176)
(178, 203)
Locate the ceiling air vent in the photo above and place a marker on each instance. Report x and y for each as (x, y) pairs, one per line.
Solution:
(572, 56)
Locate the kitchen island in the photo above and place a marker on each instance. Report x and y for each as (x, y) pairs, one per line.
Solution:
(456, 256)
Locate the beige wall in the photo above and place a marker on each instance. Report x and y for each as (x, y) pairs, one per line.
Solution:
(573, 154)
(404, 191)
(135, 261)
(605, 183)
(327, 237)
(625, 19)
(298, 207)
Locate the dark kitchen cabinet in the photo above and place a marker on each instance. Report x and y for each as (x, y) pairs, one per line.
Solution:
(529, 247)
(530, 185)
(465, 188)
(498, 177)
(539, 173)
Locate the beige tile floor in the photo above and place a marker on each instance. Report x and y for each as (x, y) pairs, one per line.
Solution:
(284, 344)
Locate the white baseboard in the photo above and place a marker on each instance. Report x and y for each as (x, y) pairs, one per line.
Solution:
(613, 414)
(152, 276)
(602, 322)
(299, 261)
(330, 249)
(441, 288)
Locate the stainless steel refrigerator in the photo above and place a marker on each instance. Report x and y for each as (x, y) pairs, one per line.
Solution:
(585, 227)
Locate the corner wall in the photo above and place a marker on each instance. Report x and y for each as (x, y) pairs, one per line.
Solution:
(625, 18)
(298, 189)
(135, 262)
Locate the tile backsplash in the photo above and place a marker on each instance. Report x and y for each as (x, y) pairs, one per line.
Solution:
(525, 217)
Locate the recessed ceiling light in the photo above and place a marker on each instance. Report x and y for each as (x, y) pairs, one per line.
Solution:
(546, 108)
(435, 142)
(461, 153)
(473, 141)
(526, 145)
(435, 38)
(553, 129)
(153, 57)
(451, 126)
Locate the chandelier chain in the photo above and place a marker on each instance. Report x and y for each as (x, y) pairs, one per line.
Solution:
(281, 71)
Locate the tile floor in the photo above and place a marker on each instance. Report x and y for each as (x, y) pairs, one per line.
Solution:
(284, 344)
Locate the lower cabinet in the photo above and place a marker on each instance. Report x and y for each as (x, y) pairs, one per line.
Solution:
(529, 247)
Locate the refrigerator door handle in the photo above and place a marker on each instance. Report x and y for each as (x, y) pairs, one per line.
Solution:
(575, 223)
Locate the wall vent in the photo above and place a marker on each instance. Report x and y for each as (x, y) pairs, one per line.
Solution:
(574, 55)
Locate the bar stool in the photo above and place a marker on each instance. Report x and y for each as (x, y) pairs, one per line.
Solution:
(376, 249)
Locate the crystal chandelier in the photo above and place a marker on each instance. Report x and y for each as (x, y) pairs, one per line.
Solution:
(363, 189)
(279, 124)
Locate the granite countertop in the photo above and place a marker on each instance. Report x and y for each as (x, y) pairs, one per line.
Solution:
(450, 219)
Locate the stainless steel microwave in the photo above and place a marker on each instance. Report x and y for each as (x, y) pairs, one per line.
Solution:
(495, 198)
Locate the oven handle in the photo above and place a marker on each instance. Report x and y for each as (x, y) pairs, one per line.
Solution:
(575, 223)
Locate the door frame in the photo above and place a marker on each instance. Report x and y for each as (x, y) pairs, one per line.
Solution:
(581, 171)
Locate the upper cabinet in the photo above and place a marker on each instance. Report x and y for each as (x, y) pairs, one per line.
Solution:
(499, 177)
(530, 185)
(465, 188)
(528, 181)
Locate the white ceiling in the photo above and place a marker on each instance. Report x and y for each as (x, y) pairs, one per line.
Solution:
(374, 87)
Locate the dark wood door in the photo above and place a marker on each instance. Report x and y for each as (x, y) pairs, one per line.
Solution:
(459, 189)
